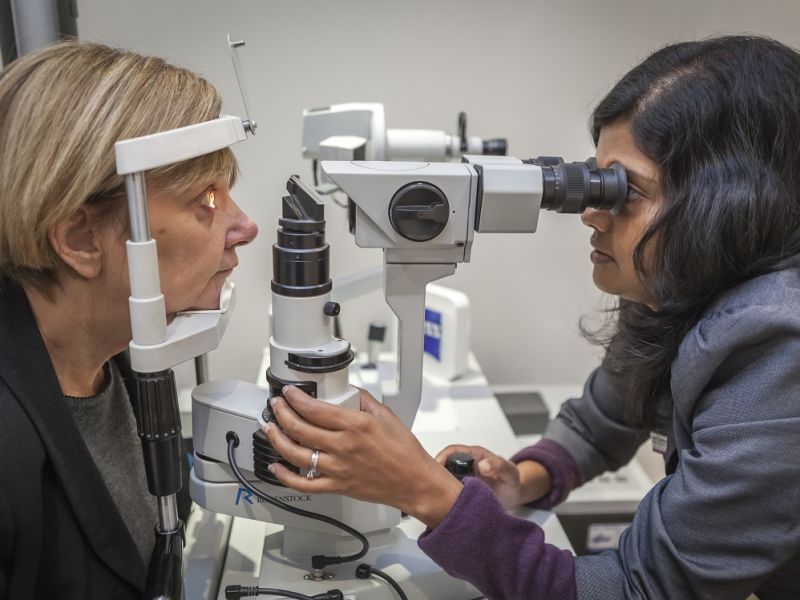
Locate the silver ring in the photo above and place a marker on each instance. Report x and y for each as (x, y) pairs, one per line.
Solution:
(312, 470)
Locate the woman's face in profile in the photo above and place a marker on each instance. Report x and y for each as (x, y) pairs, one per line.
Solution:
(615, 237)
(196, 236)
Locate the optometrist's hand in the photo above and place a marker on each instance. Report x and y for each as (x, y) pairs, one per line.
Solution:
(368, 454)
(513, 484)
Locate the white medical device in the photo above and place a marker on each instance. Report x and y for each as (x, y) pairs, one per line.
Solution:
(423, 215)
(357, 131)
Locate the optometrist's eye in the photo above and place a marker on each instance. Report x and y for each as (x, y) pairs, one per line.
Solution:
(633, 194)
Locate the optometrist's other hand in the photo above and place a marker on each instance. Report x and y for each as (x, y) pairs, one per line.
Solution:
(513, 484)
(368, 454)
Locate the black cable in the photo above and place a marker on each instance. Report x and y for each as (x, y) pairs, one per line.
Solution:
(390, 581)
(315, 172)
(318, 561)
(336, 201)
(234, 592)
(363, 571)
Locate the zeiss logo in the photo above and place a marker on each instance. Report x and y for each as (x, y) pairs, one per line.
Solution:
(244, 496)
(433, 334)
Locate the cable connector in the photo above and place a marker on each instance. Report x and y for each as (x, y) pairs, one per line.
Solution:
(234, 592)
(363, 571)
(320, 561)
(333, 594)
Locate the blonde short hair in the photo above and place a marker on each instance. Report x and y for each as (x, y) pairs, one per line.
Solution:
(62, 108)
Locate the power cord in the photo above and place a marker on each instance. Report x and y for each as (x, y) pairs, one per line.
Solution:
(364, 571)
(234, 592)
(315, 173)
(318, 561)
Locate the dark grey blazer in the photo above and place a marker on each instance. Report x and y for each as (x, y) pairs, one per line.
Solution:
(725, 521)
(61, 535)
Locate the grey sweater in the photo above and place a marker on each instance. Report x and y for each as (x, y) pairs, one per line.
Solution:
(108, 428)
(725, 521)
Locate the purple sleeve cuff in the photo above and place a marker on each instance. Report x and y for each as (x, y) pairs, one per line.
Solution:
(564, 471)
(505, 557)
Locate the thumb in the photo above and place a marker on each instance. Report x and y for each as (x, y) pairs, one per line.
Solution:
(370, 405)
(497, 468)
(485, 467)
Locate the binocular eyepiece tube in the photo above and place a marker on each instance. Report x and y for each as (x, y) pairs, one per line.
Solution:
(574, 187)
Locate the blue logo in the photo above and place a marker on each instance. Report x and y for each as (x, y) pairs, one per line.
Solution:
(433, 334)
(247, 495)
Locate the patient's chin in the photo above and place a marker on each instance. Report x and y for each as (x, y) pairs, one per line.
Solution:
(209, 305)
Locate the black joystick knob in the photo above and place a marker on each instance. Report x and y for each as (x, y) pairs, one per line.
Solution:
(331, 309)
(460, 464)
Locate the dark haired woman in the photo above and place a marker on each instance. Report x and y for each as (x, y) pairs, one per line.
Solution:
(705, 353)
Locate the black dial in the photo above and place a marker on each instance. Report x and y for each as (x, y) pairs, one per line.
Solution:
(419, 211)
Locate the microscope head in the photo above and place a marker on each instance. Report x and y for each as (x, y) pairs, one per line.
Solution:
(418, 212)
(427, 212)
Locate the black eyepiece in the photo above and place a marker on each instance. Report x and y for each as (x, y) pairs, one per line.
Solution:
(574, 187)
(495, 147)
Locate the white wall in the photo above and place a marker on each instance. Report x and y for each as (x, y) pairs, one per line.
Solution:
(527, 70)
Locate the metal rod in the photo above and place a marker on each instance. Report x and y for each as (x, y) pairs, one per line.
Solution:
(201, 368)
(35, 24)
(137, 207)
(167, 513)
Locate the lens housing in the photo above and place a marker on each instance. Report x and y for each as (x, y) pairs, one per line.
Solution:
(301, 256)
(574, 187)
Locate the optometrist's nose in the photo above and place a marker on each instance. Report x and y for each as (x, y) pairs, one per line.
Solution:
(600, 220)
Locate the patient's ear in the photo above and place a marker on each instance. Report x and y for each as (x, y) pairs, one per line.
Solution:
(78, 242)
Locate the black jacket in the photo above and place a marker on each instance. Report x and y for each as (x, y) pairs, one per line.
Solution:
(61, 535)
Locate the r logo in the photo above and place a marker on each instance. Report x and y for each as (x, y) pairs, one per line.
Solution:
(247, 495)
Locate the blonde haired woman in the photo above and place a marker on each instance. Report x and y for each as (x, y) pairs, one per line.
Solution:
(76, 519)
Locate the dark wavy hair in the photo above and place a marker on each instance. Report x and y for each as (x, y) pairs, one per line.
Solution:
(721, 120)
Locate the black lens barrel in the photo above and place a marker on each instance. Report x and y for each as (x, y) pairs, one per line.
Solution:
(301, 257)
(574, 187)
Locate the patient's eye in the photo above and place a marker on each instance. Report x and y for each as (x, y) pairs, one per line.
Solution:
(208, 199)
